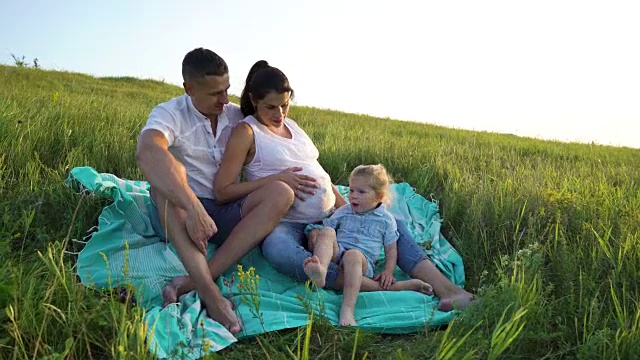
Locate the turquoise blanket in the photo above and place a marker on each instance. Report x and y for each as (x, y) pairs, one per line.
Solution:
(125, 250)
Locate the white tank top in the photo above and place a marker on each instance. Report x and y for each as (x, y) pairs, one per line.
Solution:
(275, 153)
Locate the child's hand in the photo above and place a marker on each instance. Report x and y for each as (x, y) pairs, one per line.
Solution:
(385, 279)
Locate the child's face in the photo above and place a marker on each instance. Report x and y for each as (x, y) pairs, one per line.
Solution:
(361, 196)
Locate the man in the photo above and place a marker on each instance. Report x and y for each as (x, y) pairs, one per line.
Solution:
(179, 152)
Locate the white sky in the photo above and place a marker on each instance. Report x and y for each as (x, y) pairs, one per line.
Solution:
(566, 70)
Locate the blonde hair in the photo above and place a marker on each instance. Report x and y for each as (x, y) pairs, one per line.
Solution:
(379, 179)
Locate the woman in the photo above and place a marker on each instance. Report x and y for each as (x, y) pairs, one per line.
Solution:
(270, 147)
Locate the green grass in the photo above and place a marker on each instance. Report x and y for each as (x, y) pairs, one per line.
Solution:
(549, 231)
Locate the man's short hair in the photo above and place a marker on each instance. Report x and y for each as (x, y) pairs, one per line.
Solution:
(200, 62)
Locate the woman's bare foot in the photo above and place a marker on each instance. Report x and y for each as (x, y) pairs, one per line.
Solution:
(315, 271)
(222, 312)
(413, 285)
(458, 301)
(171, 291)
(346, 317)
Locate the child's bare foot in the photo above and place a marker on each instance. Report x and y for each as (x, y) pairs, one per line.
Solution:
(457, 301)
(346, 317)
(315, 271)
(170, 293)
(413, 285)
(223, 313)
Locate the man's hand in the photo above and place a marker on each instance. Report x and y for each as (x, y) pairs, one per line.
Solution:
(200, 227)
(385, 279)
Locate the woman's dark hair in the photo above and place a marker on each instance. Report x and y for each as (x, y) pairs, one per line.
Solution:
(261, 80)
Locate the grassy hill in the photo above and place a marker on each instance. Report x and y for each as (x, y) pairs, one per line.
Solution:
(549, 231)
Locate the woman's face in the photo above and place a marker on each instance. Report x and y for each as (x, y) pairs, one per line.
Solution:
(272, 110)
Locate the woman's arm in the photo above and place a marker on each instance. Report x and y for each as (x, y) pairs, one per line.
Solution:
(225, 185)
(340, 201)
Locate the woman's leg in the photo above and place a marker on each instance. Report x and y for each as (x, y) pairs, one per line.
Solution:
(284, 249)
(369, 285)
(413, 261)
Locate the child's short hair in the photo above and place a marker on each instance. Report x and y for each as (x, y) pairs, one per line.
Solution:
(379, 179)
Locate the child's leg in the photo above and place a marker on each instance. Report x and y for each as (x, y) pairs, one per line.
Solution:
(354, 264)
(322, 242)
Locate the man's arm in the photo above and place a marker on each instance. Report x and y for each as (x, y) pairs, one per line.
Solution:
(165, 174)
(168, 177)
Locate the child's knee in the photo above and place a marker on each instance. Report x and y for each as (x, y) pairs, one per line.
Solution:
(356, 258)
(353, 256)
(318, 233)
(325, 234)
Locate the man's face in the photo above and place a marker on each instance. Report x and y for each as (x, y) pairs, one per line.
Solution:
(209, 94)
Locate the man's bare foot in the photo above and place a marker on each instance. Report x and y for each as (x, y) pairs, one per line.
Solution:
(346, 317)
(171, 291)
(413, 285)
(222, 312)
(315, 271)
(457, 301)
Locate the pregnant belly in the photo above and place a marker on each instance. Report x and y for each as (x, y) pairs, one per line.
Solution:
(317, 206)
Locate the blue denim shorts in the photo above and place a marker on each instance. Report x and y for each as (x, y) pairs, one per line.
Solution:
(226, 216)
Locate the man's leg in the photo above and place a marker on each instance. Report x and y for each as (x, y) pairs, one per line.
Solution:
(173, 220)
(262, 211)
(413, 261)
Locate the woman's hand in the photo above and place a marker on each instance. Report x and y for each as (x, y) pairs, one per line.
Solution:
(302, 185)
